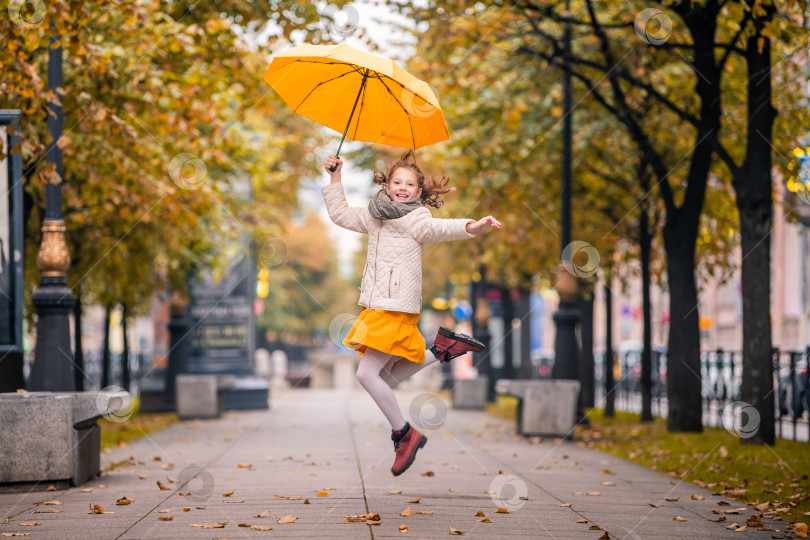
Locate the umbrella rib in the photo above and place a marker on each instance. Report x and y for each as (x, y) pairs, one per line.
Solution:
(353, 70)
(410, 127)
(362, 102)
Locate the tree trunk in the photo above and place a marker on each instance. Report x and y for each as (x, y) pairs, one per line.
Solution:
(105, 354)
(586, 375)
(753, 187)
(610, 398)
(645, 244)
(525, 314)
(508, 350)
(683, 353)
(126, 377)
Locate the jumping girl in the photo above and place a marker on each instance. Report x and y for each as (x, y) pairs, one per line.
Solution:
(386, 333)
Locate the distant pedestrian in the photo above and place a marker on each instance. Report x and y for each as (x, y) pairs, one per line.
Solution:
(386, 333)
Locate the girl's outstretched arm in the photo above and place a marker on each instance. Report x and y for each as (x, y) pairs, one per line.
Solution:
(483, 224)
(428, 230)
(341, 214)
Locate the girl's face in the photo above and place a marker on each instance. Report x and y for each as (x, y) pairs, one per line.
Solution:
(403, 185)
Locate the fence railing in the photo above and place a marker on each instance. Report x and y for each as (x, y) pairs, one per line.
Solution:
(721, 385)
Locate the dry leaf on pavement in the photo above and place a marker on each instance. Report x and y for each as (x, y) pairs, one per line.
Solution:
(605, 536)
(653, 505)
(415, 501)
(456, 531)
(480, 513)
(323, 494)
(395, 492)
(165, 518)
(29, 523)
(429, 473)
(265, 514)
(287, 519)
(164, 511)
(485, 520)
(408, 512)
(123, 501)
(673, 499)
(227, 493)
(565, 505)
(306, 501)
(593, 494)
(403, 528)
(244, 465)
(697, 497)
(425, 512)
(86, 490)
(96, 509)
(679, 518)
(220, 525)
(502, 510)
(163, 486)
(261, 528)
(582, 521)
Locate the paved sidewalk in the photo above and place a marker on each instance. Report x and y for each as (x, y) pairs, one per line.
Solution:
(336, 443)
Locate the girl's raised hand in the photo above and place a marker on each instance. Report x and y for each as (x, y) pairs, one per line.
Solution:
(332, 161)
(484, 224)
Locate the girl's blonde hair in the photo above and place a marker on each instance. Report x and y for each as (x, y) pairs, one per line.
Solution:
(432, 186)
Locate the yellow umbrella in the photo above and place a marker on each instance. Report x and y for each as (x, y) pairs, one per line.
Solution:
(367, 97)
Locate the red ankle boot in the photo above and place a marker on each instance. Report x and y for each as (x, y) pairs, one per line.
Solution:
(407, 442)
(449, 344)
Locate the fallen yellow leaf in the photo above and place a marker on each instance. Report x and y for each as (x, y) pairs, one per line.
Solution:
(429, 473)
(582, 521)
(323, 494)
(593, 494)
(673, 499)
(408, 512)
(403, 528)
(261, 528)
(565, 505)
(227, 493)
(502, 510)
(415, 501)
(163, 486)
(395, 492)
(425, 512)
(220, 525)
(96, 509)
(245, 465)
(456, 531)
(679, 518)
(29, 523)
(697, 497)
(480, 513)
(287, 519)
(123, 501)
(165, 518)
(265, 514)
(485, 520)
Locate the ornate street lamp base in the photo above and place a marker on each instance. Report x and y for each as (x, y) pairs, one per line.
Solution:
(53, 356)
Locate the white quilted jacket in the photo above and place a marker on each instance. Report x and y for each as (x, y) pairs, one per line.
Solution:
(392, 277)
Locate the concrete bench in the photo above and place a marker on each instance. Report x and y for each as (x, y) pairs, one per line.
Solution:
(52, 438)
(200, 396)
(470, 393)
(547, 407)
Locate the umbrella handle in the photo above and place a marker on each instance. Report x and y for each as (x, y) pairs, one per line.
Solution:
(334, 167)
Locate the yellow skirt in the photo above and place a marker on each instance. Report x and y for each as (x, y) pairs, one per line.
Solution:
(391, 332)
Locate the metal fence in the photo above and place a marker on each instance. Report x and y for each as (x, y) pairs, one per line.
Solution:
(721, 379)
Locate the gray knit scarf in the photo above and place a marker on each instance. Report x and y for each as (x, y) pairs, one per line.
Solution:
(382, 207)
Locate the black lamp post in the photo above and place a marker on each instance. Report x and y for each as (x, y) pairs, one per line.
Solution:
(53, 361)
(566, 348)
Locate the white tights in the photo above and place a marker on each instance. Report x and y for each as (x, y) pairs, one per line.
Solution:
(379, 373)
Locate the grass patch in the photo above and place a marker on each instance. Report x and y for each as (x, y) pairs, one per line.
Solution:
(714, 459)
(136, 426)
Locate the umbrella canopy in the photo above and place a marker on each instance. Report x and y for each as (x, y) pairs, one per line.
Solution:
(363, 96)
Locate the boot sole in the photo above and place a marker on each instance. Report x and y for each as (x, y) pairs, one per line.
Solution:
(446, 332)
(421, 444)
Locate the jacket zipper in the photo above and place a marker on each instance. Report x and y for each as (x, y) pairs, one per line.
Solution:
(373, 283)
(390, 282)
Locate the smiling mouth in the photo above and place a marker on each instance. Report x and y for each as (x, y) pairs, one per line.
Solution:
(401, 196)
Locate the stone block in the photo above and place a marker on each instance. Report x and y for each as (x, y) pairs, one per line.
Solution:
(197, 396)
(547, 407)
(470, 393)
(52, 437)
